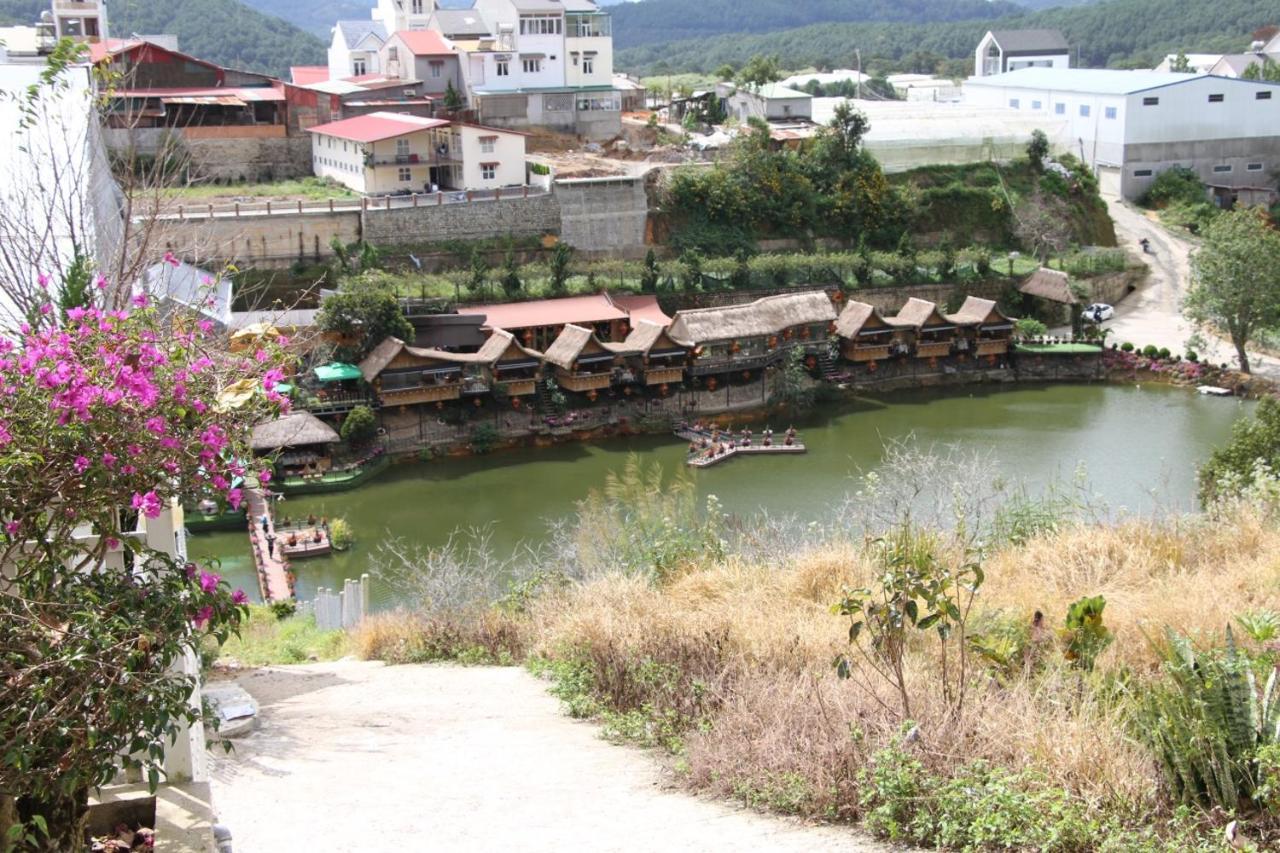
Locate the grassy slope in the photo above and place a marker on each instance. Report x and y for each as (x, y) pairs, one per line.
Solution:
(1107, 33)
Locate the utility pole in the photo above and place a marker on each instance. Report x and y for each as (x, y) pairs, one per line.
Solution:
(858, 52)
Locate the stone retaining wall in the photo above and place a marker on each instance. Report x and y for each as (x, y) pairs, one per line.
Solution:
(603, 214)
(477, 220)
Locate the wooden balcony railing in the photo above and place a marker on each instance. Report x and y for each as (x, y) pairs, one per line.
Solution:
(867, 352)
(519, 387)
(992, 347)
(939, 349)
(421, 394)
(584, 381)
(663, 375)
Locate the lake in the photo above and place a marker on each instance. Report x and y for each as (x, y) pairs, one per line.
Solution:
(1139, 444)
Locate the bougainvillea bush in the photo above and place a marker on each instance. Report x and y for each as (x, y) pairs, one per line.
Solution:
(109, 417)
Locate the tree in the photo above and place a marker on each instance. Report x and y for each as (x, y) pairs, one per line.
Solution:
(1254, 450)
(691, 271)
(452, 100)
(561, 257)
(1267, 70)
(1235, 278)
(359, 427)
(479, 273)
(366, 312)
(1042, 224)
(511, 284)
(1038, 149)
(725, 72)
(759, 72)
(1181, 64)
(649, 277)
(792, 388)
(109, 418)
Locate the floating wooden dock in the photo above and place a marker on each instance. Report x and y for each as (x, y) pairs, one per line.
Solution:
(703, 458)
(312, 541)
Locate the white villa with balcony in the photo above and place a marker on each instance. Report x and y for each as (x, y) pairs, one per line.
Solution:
(384, 153)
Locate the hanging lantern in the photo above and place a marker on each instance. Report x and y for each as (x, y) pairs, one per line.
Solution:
(773, 342)
(439, 404)
(711, 384)
(831, 328)
(789, 334)
(627, 391)
(515, 402)
(478, 402)
(591, 395)
(746, 376)
(805, 333)
(871, 367)
(933, 361)
(811, 362)
(527, 336)
(735, 346)
(663, 389)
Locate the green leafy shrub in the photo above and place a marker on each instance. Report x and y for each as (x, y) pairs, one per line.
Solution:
(484, 438)
(1163, 353)
(359, 426)
(1173, 186)
(1193, 356)
(1085, 635)
(341, 534)
(1126, 346)
(1150, 351)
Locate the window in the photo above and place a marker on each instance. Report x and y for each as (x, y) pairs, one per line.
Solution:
(1013, 103)
(1254, 167)
(1036, 105)
(1221, 169)
(1215, 99)
(437, 68)
(488, 171)
(487, 144)
(540, 25)
(358, 66)
(1151, 102)
(588, 65)
(532, 66)
(1084, 110)
(1142, 173)
(405, 174)
(1110, 112)
(504, 68)
(1262, 96)
(344, 146)
(1060, 109)
(417, 7)
(574, 57)
(402, 148)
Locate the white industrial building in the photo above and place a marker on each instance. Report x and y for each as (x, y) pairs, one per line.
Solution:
(1132, 125)
(1001, 51)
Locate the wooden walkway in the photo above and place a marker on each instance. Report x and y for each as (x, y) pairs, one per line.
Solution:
(704, 459)
(273, 568)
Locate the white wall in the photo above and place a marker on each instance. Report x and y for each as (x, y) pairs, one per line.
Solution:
(1186, 113)
(1098, 133)
(602, 63)
(339, 159)
(508, 154)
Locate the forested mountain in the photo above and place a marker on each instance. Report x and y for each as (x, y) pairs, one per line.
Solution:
(223, 31)
(317, 17)
(660, 22)
(1117, 33)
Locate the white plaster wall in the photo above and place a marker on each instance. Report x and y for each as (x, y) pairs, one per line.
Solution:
(509, 154)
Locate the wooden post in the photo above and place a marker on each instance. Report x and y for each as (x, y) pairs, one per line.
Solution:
(211, 210)
(268, 207)
(331, 205)
(439, 199)
(415, 199)
(179, 211)
(237, 210)
(526, 190)
(470, 195)
(299, 205)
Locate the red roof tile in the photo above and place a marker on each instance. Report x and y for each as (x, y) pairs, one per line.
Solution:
(642, 308)
(303, 75)
(576, 310)
(377, 126)
(425, 42)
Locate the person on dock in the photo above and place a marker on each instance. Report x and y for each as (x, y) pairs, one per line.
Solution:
(271, 545)
(265, 522)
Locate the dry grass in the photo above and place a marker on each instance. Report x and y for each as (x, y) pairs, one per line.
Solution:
(775, 726)
(400, 637)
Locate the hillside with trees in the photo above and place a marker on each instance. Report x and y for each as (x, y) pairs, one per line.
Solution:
(660, 22)
(317, 17)
(1119, 33)
(223, 31)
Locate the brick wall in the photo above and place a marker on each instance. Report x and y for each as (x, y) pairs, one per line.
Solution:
(279, 239)
(248, 159)
(603, 214)
(518, 217)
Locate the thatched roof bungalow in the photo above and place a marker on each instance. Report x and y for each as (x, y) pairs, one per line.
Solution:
(865, 335)
(986, 331)
(1051, 285)
(581, 362)
(934, 333)
(405, 375)
(744, 337)
(298, 429)
(651, 352)
(538, 323)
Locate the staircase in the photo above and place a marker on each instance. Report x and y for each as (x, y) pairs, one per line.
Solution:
(827, 367)
(542, 398)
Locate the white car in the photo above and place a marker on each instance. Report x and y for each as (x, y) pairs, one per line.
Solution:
(1099, 312)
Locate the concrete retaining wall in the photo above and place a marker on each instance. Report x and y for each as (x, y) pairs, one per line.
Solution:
(243, 159)
(603, 214)
(279, 239)
(519, 217)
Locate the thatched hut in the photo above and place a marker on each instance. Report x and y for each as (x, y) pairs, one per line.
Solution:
(301, 439)
(934, 334)
(651, 354)
(744, 337)
(983, 329)
(580, 361)
(865, 335)
(405, 375)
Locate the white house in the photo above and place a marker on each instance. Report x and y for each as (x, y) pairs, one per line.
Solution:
(396, 15)
(82, 20)
(1198, 63)
(771, 102)
(354, 50)
(1001, 51)
(383, 153)
(426, 57)
(1132, 125)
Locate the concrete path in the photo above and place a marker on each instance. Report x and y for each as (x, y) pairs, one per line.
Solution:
(268, 550)
(1153, 313)
(355, 756)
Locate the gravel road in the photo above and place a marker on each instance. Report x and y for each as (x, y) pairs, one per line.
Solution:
(357, 756)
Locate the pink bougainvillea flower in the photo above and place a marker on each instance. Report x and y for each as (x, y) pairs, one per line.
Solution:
(12, 527)
(209, 581)
(82, 464)
(148, 504)
(109, 459)
(203, 615)
(239, 597)
(234, 497)
(101, 282)
(5, 435)
(43, 281)
(264, 477)
(113, 543)
(172, 260)
(45, 309)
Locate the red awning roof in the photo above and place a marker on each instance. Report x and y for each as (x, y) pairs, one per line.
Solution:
(642, 308)
(249, 94)
(303, 75)
(575, 310)
(377, 126)
(425, 42)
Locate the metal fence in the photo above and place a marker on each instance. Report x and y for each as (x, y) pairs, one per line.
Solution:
(238, 209)
(340, 610)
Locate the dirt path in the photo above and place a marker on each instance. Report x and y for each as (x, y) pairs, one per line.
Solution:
(355, 756)
(1153, 313)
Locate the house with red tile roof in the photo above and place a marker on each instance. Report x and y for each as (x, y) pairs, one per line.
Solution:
(427, 57)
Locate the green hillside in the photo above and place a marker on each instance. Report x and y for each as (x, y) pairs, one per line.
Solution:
(1116, 33)
(317, 17)
(223, 31)
(660, 22)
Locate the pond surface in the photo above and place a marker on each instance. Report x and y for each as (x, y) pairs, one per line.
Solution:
(1139, 445)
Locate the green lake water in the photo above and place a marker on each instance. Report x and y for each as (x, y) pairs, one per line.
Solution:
(1138, 444)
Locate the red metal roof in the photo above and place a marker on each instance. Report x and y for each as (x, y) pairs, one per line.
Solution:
(425, 42)
(303, 75)
(100, 50)
(576, 310)
(642, 308)
(244, 93)
(377, 126)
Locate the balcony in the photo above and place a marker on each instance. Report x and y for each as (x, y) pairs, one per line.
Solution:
(581, 382)
(933, 349)
(519, 387)
(421, 394)
(738, 361)
(663, 375)
(992, 347)
(867, 352)
(434, 159)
